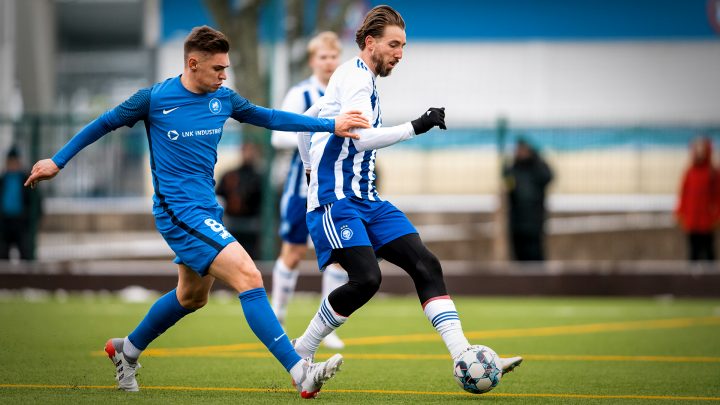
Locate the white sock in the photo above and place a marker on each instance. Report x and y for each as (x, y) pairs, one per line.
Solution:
(323, 323)
(297, 372)
(333, 277)
(441, 313)
(283, 287)
(130, 352)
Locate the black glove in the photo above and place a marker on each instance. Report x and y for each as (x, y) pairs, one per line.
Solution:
(433, 117)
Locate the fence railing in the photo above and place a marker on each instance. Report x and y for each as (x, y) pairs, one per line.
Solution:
(610, 160)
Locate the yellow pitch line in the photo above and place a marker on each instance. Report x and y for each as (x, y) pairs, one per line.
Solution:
(666, 359)
(545, 331)
(382, 392)
(501, 333)
(217, 348)
(406, 356)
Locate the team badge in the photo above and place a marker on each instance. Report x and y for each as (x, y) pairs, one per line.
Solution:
(345, 232)
(215, 106)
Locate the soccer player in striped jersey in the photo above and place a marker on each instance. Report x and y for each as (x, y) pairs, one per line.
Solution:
(323, 58)
(184, 118)
(349, 223)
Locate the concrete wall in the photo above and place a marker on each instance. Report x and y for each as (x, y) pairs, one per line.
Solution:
(620, 82)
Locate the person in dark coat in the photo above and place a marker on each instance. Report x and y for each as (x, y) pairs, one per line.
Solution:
(19, 209)
(241, 189)
(526, 181)
(698, 207)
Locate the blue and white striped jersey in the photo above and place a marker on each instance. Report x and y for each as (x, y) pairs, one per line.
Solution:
(339, 169)
(344, 167)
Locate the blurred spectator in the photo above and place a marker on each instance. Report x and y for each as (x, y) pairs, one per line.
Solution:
(526, 180)
(698, 208)
(242, 188)
(20, 209)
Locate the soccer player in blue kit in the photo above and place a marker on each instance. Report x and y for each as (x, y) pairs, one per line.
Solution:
(348, 221)
(184, 118)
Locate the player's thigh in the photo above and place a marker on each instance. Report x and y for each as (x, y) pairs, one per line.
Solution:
(336, 226)
(234, 267)
(387, 224)
(196, 236)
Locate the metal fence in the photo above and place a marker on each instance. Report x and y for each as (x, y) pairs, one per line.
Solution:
(595, 167)
(587, 160)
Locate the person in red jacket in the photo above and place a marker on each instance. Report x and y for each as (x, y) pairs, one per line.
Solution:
(698, 209)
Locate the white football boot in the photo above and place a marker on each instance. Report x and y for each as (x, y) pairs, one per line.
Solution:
(315, 375)
(508, 364)
(125, 370)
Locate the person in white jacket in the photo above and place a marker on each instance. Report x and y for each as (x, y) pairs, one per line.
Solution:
(323, 57)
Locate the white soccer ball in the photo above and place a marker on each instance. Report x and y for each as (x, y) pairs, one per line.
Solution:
(477, 370)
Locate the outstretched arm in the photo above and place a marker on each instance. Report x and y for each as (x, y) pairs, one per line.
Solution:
(295, 101)
(358, 93)
(244, 111)
(376, 138)
(128, 113)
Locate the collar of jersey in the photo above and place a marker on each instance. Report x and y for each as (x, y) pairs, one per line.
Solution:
(178, 82)
(317, 84)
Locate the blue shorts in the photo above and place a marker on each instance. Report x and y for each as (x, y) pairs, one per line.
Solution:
(196, 236)
(355, 222)
(293, 227)
(293, 205)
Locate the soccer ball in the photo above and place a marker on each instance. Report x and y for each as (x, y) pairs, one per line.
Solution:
(477, 370)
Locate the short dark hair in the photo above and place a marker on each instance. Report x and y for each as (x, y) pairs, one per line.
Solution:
(375, 22)
(206, 39)
(13, 152)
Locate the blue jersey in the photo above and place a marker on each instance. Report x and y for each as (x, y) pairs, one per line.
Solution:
(183, 131)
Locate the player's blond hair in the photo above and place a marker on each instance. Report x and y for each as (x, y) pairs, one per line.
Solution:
(325, 39)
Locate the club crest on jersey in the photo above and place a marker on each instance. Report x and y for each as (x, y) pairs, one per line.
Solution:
(345, 232)
(173, 135)
(215, 106)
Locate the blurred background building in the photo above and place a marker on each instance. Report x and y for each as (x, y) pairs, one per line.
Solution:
(610, 92)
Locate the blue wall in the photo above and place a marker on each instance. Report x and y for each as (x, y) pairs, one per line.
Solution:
(516, 20)
(556, 19)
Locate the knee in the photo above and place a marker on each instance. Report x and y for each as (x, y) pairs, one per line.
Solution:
(370, 282)
(293, 257)
(193, 300)
(291, 262)
(430, 265)
(253, 278)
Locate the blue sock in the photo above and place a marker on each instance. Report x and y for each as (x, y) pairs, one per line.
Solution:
(164, 313)
(264, 324)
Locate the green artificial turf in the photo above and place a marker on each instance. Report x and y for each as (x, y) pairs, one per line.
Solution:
(50, 352)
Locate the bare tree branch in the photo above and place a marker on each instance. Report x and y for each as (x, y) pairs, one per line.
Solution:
(240, 24)
(330, 15)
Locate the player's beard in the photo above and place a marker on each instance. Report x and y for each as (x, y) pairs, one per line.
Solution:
(380, 66)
